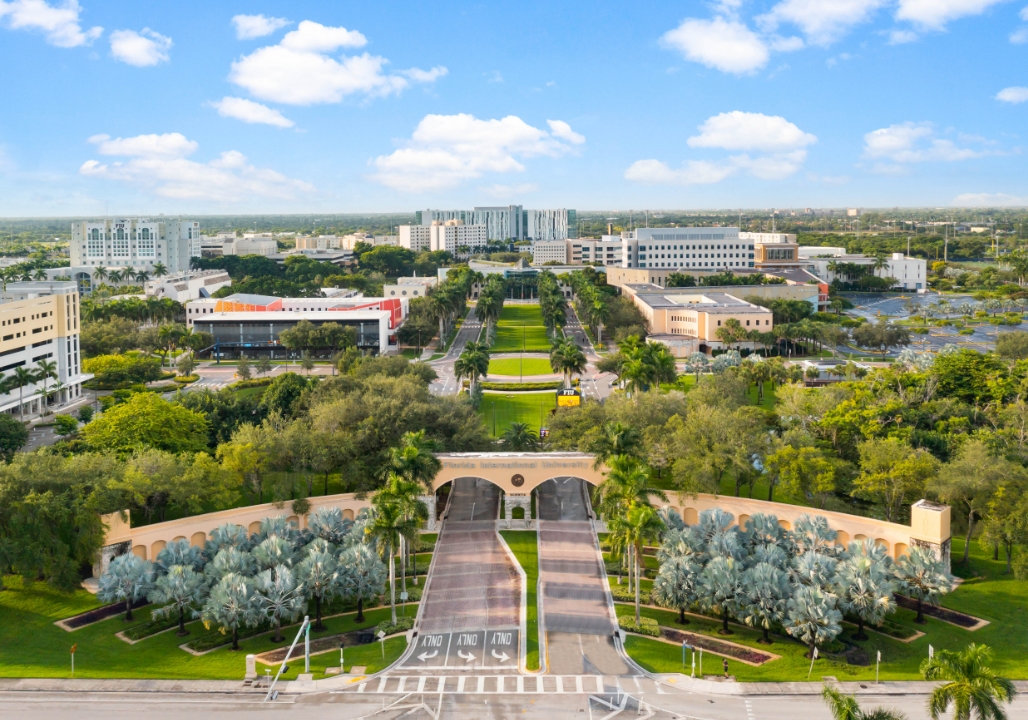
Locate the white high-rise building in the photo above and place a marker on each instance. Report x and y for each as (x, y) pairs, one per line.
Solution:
(137, 243)
(510, 222)
(546, 225)
(451, 235)
(713, 249)
(415, 237)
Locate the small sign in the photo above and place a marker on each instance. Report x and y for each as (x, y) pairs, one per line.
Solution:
(404, 596)
(544, 432)
(568, 398)
(517, 480)
(381, 634)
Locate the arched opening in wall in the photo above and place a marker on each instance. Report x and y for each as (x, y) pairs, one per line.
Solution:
(882, 543)
(180, 537)
(843, 538)
(899, 550)
(690, 516)
(860, 538)
(254, 527)
(139, 551)
(559, 498)
(199, 539)
(294, 520)
(743, 519)
(156, 548)
(785, 524)
(348, 514)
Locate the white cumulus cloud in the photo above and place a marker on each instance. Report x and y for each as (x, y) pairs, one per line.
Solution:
(779, 148)
(159, 164)
(739, 130)
(721, 43)
(300, 70)
(1013, 95)
(560, 129)
(250, 112)
(822, 21)
(989, 200)
(912, 142)
(60, 23)
(142, 49)
(935, 14)
(255, 26)
(447, 150)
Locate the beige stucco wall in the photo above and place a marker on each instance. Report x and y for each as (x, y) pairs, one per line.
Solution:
(149, 540)
(533, 468)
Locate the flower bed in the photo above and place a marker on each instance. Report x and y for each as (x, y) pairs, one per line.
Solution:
(96, 615)
(953, 617)
(719, 647)
(513, 386)
(151, 627)
(625, 594)
(646, 626)
(402, 624)
(350, 639)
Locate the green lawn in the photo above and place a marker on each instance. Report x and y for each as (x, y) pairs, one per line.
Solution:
(32, 646)
(988, 594)
(521, 327)
(501, 409)
(517, 366)
(523, 544)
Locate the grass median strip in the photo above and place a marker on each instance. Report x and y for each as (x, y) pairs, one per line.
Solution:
(525, 548)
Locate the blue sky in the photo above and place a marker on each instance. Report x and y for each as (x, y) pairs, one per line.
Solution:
(225, 107)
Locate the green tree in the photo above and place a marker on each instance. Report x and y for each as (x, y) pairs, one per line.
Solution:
(567, 359)
(263, 365)
(893, 474)
(231, 605)
(519, 437)
(13, 436)
(20, 378)
(723, 590)
(473, 363)
(864, 584)
(388, 524)
(363, 576)
(182, 590)
(767, 592)
(677, 585)
(972, 688)
(924, 577)
(812, 617)
(128, 579)
(643, 525)
(279, 598)
(147, 420)
(243, 368)
(186, 364)
(320, 580)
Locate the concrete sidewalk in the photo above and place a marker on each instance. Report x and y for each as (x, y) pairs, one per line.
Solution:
(720, 687)
(86, 685)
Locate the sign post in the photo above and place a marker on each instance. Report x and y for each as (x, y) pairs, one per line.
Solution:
(307, 646)
(73, 649)
(812, 659)
(382, 639)
(342, 663)
(403, 602)
(701, 662)
(878, 661)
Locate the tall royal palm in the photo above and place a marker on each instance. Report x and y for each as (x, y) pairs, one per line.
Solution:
(406, 494)
(643, 525)
(972, 688)
(45, 370)
(159, 270)
(387, 525)
(567, 359)
(22, 376)
(473, 363)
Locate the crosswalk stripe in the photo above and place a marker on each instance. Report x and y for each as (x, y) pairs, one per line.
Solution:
(500, 684)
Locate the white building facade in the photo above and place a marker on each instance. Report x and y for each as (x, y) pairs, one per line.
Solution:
(510, 222)
(452, 234)
(606, 251)
(415, 237)
(137, 243)
(910, 273)
(550, 251)
(710, 249)
(184, 287)
(252, 244)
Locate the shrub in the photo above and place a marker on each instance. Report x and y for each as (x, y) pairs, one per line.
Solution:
(402, 625)
(151, 627)
(186, 379)
(646, 626)
(85, 414)
(111, 370)
(625, 594)
(508, 387)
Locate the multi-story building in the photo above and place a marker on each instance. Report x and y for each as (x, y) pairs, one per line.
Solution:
(606, 251)
(251, 244)
(453, 234)
(689, 318)
(416, 237)
(710, 249)
(250, 325)
(831, 263)
(320, 242)
(409, 287)
(510, 222)
(39, 321)
(550, 251)
(137, 243)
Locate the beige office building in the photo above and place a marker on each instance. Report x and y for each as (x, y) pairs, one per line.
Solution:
(39, 321)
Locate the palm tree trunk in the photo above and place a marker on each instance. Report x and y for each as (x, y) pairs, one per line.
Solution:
(277, 637)
(967, 541)
(392, 585)
(128, 611)
(766, 640)
(235, 638)
(920, 613)
(637, 553)
(360, 610)
(403, 563)
(724, 621)
(681, 616)
(317, 612)
(182, 622)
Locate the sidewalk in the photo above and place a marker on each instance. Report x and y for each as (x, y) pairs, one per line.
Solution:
(719, 687)
(234, 687)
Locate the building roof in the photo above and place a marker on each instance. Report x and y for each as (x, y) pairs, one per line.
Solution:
(249, 299)
(295, 316)
(716, 303)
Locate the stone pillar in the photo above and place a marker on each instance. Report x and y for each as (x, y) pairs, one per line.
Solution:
(251, 667)
(518, 500)
(429, 501)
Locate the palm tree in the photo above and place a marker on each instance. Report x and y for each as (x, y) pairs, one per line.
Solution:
(519, 437)
(616, 439)
(128, 579)
(765, 601)
(643, 525)
(115, 276)
(363, 576)
(845, 707)
(880, 262)
(169, 336)
(865, 585)
(142, 276)
(102, 273)
(974, 690)
(388, 524)
(406, 494)
(473, 363)
(813, 617)
(46, 369)
(232, 604)
(568, 359)
(279, 597)
(677, 584)
(181, 590)
(22, 376)
(159, 270)
(723, 589)
(924, 577)
(319, 579)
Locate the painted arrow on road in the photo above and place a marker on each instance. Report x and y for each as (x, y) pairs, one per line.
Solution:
(427, 656)
(502, 657)
(469, 658)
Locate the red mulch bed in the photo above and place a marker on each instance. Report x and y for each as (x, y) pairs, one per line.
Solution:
(100, 613)
(721, 648)
(950, 616)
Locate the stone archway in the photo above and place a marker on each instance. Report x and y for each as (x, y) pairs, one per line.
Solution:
(518, 473)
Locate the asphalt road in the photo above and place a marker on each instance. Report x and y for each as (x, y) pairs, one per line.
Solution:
(447, 382)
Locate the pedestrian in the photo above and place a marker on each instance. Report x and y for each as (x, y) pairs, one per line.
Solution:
(724, 664)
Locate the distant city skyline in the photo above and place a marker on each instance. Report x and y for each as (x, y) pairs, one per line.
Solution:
(121, 108)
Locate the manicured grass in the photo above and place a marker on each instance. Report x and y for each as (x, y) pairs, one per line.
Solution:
(987, 594)
(524, 546)
(518, 366)
(32, 646)
(501, 409)
(521, 327)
